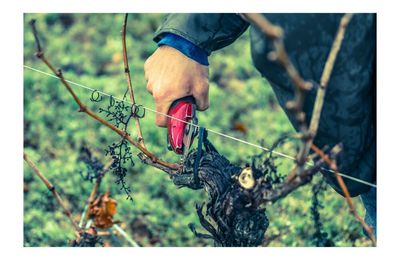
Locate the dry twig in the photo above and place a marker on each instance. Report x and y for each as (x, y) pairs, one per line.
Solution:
(129, 81)
(51, 187)
(296, 106)
(82, 108)
(276, 34)
(331, 161)
(270, 196)
(79, 232)
(319, 101)
(279, 55)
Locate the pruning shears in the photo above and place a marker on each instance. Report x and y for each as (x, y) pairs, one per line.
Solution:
(181, 126)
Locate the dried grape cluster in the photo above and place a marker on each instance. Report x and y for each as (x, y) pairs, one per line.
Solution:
(119, 114)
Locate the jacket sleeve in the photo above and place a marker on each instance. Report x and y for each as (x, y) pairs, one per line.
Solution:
(209, 31)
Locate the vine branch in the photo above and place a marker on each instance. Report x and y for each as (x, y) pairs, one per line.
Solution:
(82, 108)
(51, 187)
(279, 55)
(283, 189)
(301, 87)
(275, 33)
(129, 81)
(331, 161)
(319, 101)
(298, 175)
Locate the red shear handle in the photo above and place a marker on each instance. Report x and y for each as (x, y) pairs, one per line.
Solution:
(183, 109)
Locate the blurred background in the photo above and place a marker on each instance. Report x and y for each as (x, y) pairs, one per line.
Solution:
(88, 48)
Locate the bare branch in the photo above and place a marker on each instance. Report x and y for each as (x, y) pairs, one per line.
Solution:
(148, 161)
(275, 33)
(279, 55)
(331, 161)
(270, 196)
(319, 101)
(129, 81)
(296, 106)
(35, 34)
(83, 108)
(56, 195)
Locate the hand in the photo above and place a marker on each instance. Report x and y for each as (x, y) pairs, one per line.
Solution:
(171, 75)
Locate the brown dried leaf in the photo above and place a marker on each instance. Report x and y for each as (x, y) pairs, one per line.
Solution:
(103, 210)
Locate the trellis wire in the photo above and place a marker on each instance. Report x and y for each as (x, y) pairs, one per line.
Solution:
(208, 129)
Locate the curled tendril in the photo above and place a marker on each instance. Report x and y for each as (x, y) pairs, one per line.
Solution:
(125, 94)
(138, 111)
(112, 101)
(265, 162)
(95, 96)
(119, 113)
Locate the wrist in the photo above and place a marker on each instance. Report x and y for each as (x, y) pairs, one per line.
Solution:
(186, 47)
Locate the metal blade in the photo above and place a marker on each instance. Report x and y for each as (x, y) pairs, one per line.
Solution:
(187, 140)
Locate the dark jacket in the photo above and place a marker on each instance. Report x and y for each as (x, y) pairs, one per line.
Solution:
(348, 115)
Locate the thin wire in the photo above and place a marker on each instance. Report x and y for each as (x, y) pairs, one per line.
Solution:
(208, 129)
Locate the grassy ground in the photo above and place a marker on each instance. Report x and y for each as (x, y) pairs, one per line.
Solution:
(88, 49)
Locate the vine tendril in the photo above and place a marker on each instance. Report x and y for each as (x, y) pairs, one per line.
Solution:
(95, 96)
(119, 114)
(138, 111)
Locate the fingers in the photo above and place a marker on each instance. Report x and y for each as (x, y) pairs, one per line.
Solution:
(200, 94)
(162, 108)
(171, 75)
(146, 66)
(164, 99)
